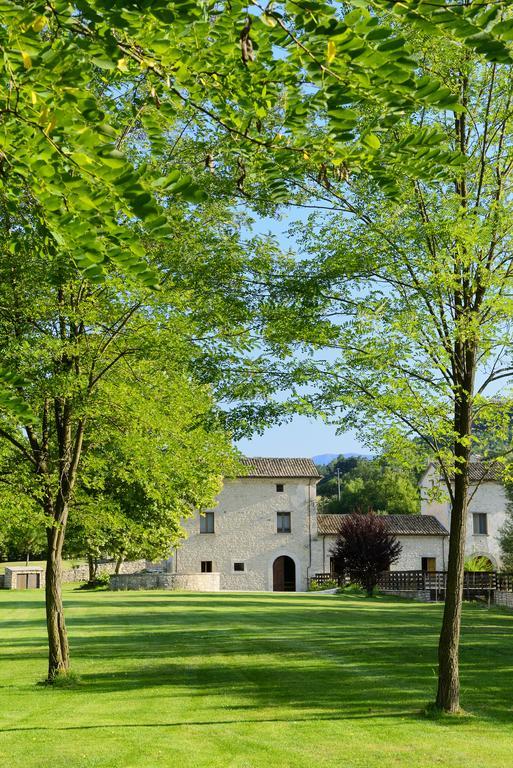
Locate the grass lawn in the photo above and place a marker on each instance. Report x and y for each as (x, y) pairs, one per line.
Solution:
(42, 563)
(250, 681)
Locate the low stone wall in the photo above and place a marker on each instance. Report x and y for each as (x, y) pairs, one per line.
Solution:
(421, 595)
(503, 598)
(191, 582)
(81, 572)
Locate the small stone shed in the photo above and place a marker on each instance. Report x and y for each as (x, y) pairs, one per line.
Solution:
(24, 577)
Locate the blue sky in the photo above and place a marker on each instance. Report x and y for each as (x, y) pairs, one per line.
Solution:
(302, 436)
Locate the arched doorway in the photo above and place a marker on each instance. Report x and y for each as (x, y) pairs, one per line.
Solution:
(284, 574)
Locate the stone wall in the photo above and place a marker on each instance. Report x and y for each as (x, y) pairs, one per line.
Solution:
(414, 548)
(489, 497)
(10, 579)
(421, 595)
(191, 582)
(81, 572)
(245, 525)
(503, 598)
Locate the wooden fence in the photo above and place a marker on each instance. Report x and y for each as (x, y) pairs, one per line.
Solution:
(479, 581)
(475, 583)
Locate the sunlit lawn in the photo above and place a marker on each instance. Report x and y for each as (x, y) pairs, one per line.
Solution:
(250, 681)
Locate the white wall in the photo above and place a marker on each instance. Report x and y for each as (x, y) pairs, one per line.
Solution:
(245, 530)
(414, 548)
(489, 498)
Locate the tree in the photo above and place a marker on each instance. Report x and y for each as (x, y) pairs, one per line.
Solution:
(373, 485)
(413, 291)
(364, 549)
(506, 532)
(96, 363)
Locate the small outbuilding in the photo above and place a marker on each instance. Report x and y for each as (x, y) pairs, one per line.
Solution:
(423, 538)
(24, 577)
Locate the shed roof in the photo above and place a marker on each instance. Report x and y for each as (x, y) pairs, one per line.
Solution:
(268, 467)
(478, 471)
(485, 471)
(399, 525)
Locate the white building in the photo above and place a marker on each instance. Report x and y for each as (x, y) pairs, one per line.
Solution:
(423, 539)
(265, 534)
(486, 512)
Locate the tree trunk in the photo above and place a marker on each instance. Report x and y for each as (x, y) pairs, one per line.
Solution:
(58, 649)
(448, 694)
(92, 570)
(119, 563)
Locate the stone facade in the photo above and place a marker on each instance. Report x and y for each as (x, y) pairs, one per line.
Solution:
(16, 577)
(246, 532)
(245, 542)
(488, 497)
(414, 549)
(192, 582)
(81, 572)
(503, 598)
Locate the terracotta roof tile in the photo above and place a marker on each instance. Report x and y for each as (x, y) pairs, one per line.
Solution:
(267, 467)
(400, 525)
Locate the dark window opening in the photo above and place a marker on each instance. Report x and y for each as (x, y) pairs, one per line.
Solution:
(283, 522)
(207, 523)
(480, 521)
(280, 487)
(429, 564)
(238, 567)
(206, 566)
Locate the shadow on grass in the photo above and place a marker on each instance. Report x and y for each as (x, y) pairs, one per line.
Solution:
(317, 657)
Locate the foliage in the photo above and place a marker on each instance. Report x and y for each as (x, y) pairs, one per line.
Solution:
(371, 485)
(478, 564)
(364, 549)
(506, 531)
(100, 581)
(316, 586)
(81, 83)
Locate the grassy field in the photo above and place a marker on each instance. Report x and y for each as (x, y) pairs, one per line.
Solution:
(41, 563)
(250, 681)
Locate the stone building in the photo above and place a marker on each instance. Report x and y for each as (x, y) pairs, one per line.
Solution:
(424, 541)
(486, 513)
(259, 537)
(265, 533)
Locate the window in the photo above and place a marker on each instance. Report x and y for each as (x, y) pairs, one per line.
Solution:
(480, 520)
(280, 488)
(206, 566)
(207, 523)
(429, 564)
(283, 522)
(239, 567)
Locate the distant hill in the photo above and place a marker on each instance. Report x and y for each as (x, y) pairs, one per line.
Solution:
(325, 458)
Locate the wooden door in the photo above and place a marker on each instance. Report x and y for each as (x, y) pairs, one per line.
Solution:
(21, 581)
(278, 575)
(284, 574)
(32, 581)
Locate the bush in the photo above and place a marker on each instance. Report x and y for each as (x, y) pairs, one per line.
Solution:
(365, 548)
(101, 581)
(478, 564)
(316, 586)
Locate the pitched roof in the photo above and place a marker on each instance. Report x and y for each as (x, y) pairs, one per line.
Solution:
(264, 467)
(400, 525)
(479, 471)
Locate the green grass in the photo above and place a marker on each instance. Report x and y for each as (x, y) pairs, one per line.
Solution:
(42, 563)
(250, 681)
